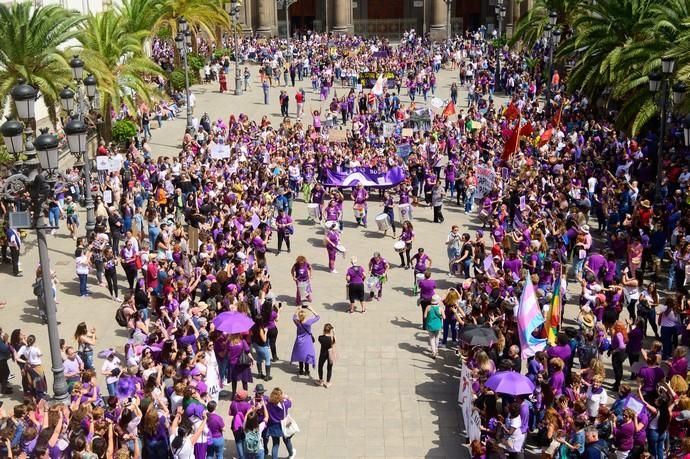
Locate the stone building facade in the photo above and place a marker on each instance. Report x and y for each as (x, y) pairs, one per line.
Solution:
(389, 18)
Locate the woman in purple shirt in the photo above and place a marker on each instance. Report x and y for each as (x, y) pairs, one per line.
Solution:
(557, 380)
(619, 339)
(301, 274)
(238, 372)
(215, 425)
(332, 243)
(285, 229)
(303, 349)
(278, 405)
(407, 237)
(355, 284)
(427, 290)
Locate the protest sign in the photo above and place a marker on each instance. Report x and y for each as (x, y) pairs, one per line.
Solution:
(337, 135)
(102, 163)
(486, 178)
(220, 151)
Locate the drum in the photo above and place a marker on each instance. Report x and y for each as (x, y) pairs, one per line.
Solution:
(359, 210)
(313, 211)
(383, 222)
(330, 224)
(399, 246)
(405, 212)
(303, 288)
(340, 248)
(371, 285)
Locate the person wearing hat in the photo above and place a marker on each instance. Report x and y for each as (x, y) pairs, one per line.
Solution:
(433, 317)
(72, 217)
(355, 284)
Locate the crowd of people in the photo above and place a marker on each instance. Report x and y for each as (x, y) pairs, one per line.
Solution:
(191, 234)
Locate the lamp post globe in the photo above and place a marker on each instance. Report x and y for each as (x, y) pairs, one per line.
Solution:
(24, 96)
(12, 131)
(77, 65)
(91, 83)
(46, 146)
(67, 99)
(76, 131)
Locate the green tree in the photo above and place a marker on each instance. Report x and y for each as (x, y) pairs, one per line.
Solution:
(29, 49)
(201, 15)
(116, 58)
(530, 28)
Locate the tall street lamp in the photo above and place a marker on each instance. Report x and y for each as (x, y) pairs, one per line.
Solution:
(183, 41)
(39, 180)
(500, 14)
(76, 106)
(233, 10)
(660, 83)
(553, 37)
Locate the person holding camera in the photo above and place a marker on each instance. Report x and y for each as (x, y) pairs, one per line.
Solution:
(303, 350)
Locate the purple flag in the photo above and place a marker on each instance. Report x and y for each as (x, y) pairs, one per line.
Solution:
(367, 176)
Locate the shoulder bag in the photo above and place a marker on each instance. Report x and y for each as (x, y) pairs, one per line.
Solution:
(288, 425)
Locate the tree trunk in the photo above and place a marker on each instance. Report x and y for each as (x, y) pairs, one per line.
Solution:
(107, 131)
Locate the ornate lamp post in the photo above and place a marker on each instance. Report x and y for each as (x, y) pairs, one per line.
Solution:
(233, 10)
(183, 41)
(39, 181)
(661, 82)
(76, 106)
(500, 15)
(553, 37)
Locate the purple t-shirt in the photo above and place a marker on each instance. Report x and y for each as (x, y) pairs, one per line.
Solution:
(650, 377)
(215, 425)
(595, 262)
(557, 382)
(356, 274)
(276, 413)
(623, 436)
(563, 352)
(377, 267)
(427, 289)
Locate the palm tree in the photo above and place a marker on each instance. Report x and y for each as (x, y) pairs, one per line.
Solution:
(116, 58)
(140, 16)
(530, 27)
(201, 15)
(29, 49)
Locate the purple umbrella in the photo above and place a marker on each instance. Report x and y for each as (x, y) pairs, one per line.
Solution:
(233, 322)
(510, 382)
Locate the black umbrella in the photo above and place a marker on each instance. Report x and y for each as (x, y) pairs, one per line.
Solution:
(475, 335)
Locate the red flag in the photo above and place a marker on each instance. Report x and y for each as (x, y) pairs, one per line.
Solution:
(545, 137)
(513, 142)
(556, 121)
(511, 112)
(449, 110)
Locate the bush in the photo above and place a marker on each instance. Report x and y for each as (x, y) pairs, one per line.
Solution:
(196, 62)
(124, 130)
(220, 52)
(177, 80)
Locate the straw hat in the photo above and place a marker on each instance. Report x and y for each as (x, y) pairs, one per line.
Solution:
(645, 203)
(587, 320)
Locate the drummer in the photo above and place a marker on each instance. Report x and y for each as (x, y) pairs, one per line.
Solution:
(355, 284)
(422, 261)
(407, 237)
(339, 199)
(317, 197)
(301, 274)
(332, 243)
(404, 200)
(360, 196)
(388, 210)
(333, 213)
(378, 266)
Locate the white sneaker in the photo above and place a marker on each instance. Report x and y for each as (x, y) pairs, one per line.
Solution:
(294, 453)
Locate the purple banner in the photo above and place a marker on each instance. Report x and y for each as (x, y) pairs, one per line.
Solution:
(367, 176)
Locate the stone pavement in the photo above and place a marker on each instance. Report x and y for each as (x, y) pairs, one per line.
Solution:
(388, 398)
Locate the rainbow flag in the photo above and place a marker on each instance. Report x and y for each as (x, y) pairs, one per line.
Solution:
(529, 318)
(554, 321)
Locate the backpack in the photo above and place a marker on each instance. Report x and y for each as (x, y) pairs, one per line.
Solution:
(252, 441)
(120, 317)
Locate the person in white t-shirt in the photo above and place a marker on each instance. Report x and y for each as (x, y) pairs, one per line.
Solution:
(182, 444)
(111, 371)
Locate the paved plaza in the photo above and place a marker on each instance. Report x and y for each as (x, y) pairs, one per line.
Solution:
(388, 398)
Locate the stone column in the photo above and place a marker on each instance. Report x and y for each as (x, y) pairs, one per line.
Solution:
(342, 16)
(510, 18)
(438, 26)
(267, 23)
